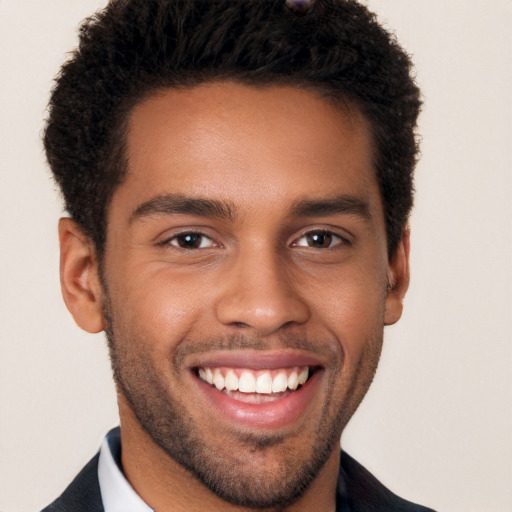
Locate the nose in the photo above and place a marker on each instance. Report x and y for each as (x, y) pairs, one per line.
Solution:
(260, 294)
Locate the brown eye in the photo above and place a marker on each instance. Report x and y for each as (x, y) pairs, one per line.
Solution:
(191, 241)
(319, 240)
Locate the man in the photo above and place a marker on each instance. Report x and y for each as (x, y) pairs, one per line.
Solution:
(238, 177)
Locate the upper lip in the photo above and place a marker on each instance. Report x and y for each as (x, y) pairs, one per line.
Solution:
(255, 359)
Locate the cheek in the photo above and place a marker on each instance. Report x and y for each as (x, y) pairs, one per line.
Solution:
(158, 307)
(352, 308)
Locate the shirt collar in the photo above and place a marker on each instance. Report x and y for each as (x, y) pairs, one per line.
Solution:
(116, 492)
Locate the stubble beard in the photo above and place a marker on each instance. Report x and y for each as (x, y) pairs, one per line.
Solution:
(226, 473)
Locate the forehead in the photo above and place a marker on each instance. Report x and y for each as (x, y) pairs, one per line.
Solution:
(244, 143)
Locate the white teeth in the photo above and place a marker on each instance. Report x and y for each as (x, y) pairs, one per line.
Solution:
(293, 381)
(280, 383)
(254, 381)
(303, 375)
(264, 383)
(218, 380)
(231, 381)
(247, 383)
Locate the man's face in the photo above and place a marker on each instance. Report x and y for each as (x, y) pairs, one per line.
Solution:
(245, 249)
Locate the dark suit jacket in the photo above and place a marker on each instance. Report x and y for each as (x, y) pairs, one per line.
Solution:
(358, 491)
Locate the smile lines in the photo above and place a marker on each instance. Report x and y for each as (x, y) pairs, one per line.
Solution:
(251, 381)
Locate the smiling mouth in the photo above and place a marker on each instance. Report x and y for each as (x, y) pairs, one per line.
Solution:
(255, 386)
(260, 391)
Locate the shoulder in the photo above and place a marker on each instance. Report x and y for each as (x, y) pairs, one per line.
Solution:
(83, 494)
(365, 493)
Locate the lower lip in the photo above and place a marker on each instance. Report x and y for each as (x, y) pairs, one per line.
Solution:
(276, 414)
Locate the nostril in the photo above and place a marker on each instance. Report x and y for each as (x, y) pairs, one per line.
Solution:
(240, 325)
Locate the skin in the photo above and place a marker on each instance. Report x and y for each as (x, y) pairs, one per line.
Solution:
(257, 282)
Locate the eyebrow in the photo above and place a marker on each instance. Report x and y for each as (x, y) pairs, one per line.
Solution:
(170, 204)
(344, 204)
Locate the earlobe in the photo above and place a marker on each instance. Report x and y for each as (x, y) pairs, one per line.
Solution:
(79, 277)
(398, 280)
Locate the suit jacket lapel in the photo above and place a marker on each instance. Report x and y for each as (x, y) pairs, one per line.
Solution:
(83, 494)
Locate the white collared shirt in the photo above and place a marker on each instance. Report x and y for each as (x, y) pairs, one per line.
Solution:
(116, 492)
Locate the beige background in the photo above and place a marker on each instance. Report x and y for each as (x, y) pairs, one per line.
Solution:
(437, 424)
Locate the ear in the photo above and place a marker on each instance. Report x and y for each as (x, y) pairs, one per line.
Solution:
(79, 277)
(398, 280)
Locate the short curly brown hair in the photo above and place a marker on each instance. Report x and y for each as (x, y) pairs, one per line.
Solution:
(134, 48)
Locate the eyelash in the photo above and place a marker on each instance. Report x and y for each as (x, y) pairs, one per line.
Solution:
(323, 232)
(177, 236)
(202, 236)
